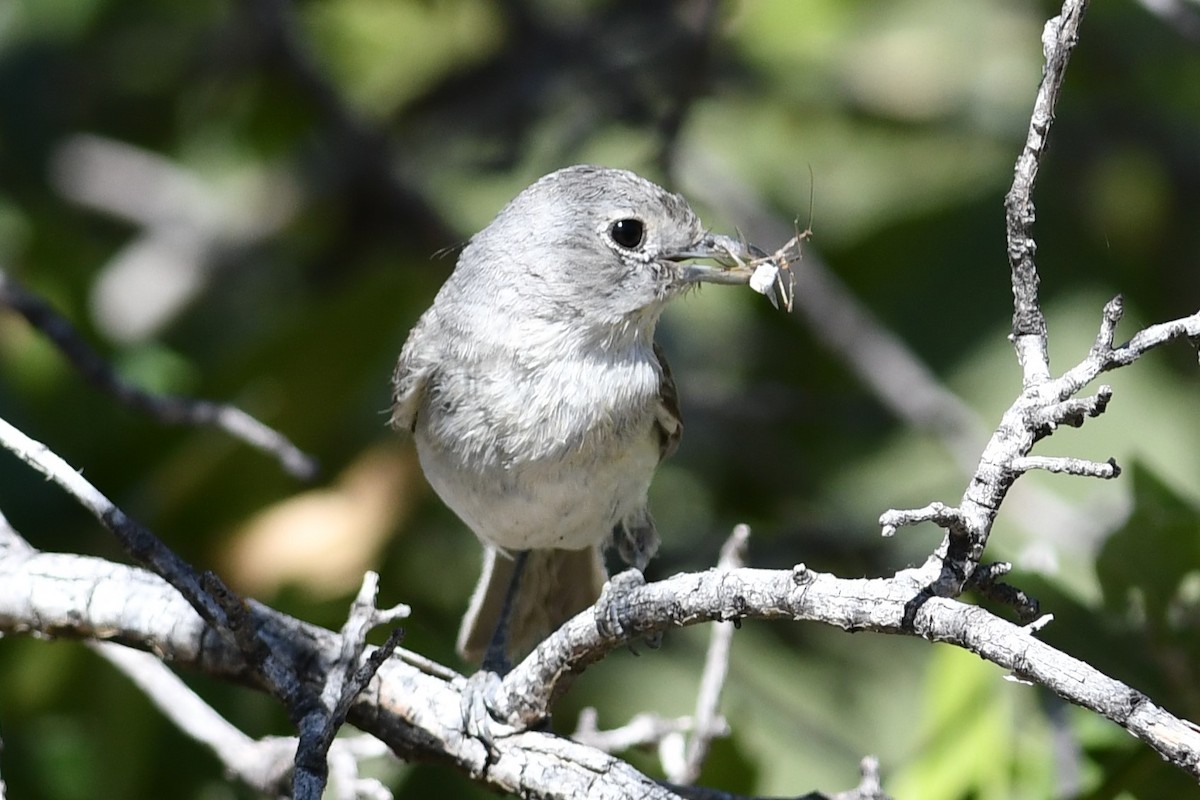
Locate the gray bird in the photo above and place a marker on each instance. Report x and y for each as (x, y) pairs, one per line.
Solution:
(538, 400)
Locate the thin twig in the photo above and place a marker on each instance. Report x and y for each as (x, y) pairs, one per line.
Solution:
(1015, 437)
(170, 409)
(1072, 412)
(137, 540)
(642, 730)
(364, 616)
(1063, 465)
(683, 743)
(264, 765)
(986, 580)
(216, 604)
(1029, 335)
(708, 723)
(938, 513)
(345, 680)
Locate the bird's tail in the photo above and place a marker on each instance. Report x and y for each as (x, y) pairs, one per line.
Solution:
(555, 585)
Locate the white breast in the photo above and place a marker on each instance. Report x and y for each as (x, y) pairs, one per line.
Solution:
(543, 457)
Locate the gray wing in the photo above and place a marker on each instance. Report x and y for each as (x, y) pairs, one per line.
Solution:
(668, 419)
(410, 379)
(635, 537)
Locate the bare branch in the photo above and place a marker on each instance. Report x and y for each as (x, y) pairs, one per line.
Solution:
(343, 685)
(137, 540)
(265, 765)
(1036, 413)
(870, 786)
(347, 676)
(893, 605)
(220, 607)
(1029, 325)
(1184, 327)
(1071, 412)
(682, 742)
(346, 756)
(170, 409)
(1113, 311)
(12, 545)
(642, 730)
(986, 581)
(938, 513)
(1067, 466)
(417, 714)
(708, 723)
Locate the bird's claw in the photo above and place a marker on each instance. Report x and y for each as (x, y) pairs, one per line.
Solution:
(613, 606)
(480, 707)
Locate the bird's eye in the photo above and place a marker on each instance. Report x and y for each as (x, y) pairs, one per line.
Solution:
(628, 233)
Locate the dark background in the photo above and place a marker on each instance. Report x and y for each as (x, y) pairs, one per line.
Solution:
(247, 200)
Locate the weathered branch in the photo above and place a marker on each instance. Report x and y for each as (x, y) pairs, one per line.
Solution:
(682, 742)
(1033, 415)
(413, 704)
(1029, 325)
(1067, 466)
(264, 764)
(171, 409)
(137, 540)
(207, 595)
(348, 676)
(707, 722)
(901, 604)
(417, 714)
(414, 712)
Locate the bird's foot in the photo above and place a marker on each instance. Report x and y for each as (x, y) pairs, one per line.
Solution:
(482, 719)
(612, 609)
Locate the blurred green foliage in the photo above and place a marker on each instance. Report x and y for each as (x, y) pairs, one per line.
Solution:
(244, 201)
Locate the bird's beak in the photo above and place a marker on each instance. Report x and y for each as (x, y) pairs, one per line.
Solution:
(733, 257)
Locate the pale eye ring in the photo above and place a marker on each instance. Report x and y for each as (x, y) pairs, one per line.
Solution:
(628, 233)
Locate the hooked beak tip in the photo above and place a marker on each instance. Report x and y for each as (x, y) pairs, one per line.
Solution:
(730, 254)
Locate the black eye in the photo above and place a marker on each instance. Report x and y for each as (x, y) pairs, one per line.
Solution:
(628, 233)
